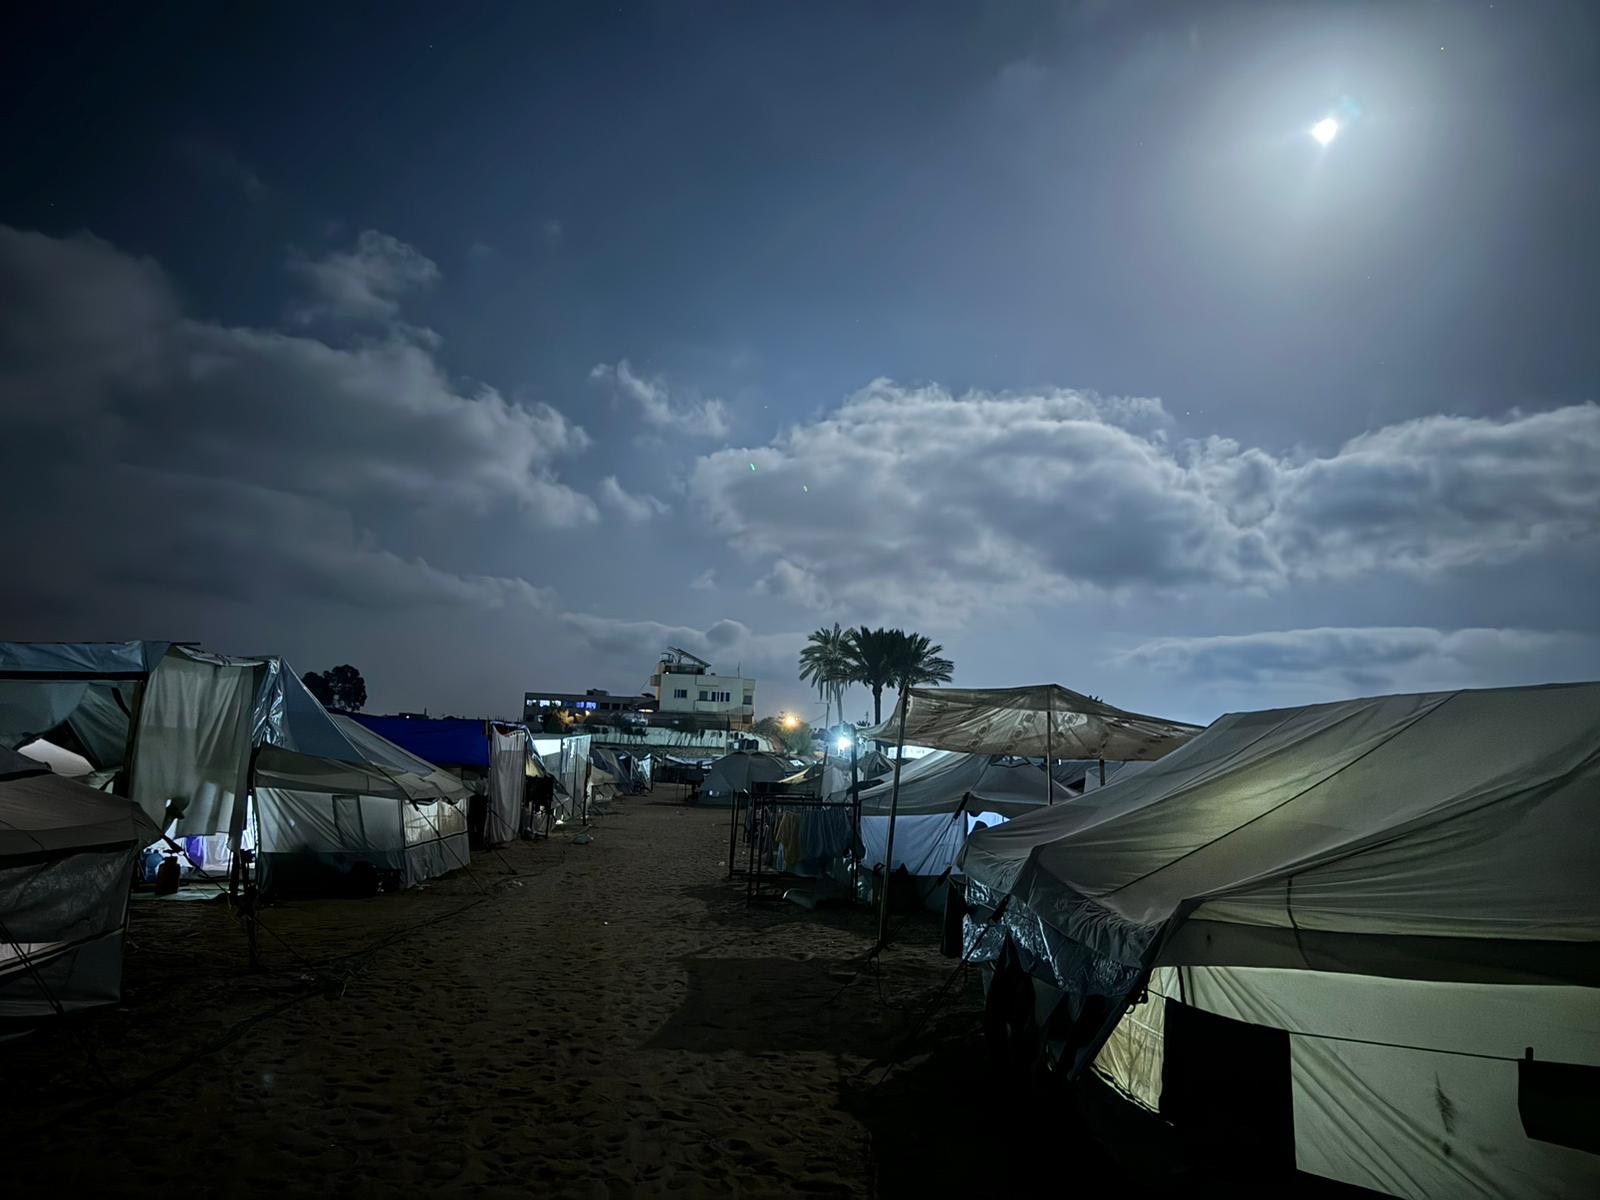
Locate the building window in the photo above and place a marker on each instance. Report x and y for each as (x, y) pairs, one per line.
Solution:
(680, 693)
(749, 699)
(705, 695)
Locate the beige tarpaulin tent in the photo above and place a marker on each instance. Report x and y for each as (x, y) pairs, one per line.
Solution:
(1404, 884)
(1042, 721)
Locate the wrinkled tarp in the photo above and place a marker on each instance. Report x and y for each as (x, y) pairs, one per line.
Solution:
(1444, 836)
(67, 856)
(1015, 721)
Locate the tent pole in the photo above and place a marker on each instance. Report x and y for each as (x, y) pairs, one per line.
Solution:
(855, 818)
(1049, 721)
(1102, 772)
(894, 806)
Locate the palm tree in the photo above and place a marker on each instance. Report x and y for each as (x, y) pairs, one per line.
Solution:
(872, 661)
(894, 658)
(917, 661)
(825, 662)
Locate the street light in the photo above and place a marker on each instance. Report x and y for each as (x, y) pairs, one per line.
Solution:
(844, 743)
(790, 721)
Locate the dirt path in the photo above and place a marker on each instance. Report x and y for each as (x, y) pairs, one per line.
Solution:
(605, 1019)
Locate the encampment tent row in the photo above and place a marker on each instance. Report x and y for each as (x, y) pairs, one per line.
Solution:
(187, 735)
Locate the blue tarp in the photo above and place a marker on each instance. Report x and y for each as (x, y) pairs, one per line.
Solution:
(449, 741)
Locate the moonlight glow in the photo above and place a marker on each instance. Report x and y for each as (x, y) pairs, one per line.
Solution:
(1325, 130)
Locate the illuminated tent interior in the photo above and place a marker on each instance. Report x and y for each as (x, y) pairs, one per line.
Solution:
(67, 858)
(188, 734)
(1369, 931)
(943, 797)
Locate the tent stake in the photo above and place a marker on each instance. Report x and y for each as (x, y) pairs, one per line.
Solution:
(894, 807)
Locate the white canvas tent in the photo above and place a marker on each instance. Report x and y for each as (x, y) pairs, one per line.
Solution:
(1403, 886)
(943, 797)
(188, 733)
(318, 817)
(67, 857)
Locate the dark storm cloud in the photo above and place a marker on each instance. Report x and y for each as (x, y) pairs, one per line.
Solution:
(98, 356)
(914, 498)
(1335, 661)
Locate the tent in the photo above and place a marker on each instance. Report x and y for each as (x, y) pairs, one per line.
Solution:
(67, 858)
(943, 797)
(622, 767)
(373, 812)
(1381, 910)
(187, 734)
(735, 774)
(494, 758)
(566, 758)
(1039, 721)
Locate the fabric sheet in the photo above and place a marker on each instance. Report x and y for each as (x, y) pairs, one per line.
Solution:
(1031, 722)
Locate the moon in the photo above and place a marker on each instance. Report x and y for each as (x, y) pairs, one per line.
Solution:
(1325, 130)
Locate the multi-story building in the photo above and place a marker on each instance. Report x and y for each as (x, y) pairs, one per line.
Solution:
(686, 687)
(595, 700)
(688, 704)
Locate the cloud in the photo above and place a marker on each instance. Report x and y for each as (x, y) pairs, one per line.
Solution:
(363, 283)
(914, 501)
(99, 360)
(554, 231)
(700, 418)
(1332, 661)
(220, 163)
(631, 507)
(706, 581)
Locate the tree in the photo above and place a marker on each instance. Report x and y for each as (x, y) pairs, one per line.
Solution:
(341, 688)
(917, 661)
(872, 662)
(825, 663)
(790, 732)
(883, 658)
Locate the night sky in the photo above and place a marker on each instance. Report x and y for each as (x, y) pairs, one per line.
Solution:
(494, 348)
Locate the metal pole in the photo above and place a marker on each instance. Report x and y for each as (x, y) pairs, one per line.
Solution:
(894, 808)
(855, 820)
(1102, 772)
(1049, 792)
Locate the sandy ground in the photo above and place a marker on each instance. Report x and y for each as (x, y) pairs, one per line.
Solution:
(606, 1019)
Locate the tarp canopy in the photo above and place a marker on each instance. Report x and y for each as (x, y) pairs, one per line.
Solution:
(1031, 722)
(1447, 835)
(67, 855)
